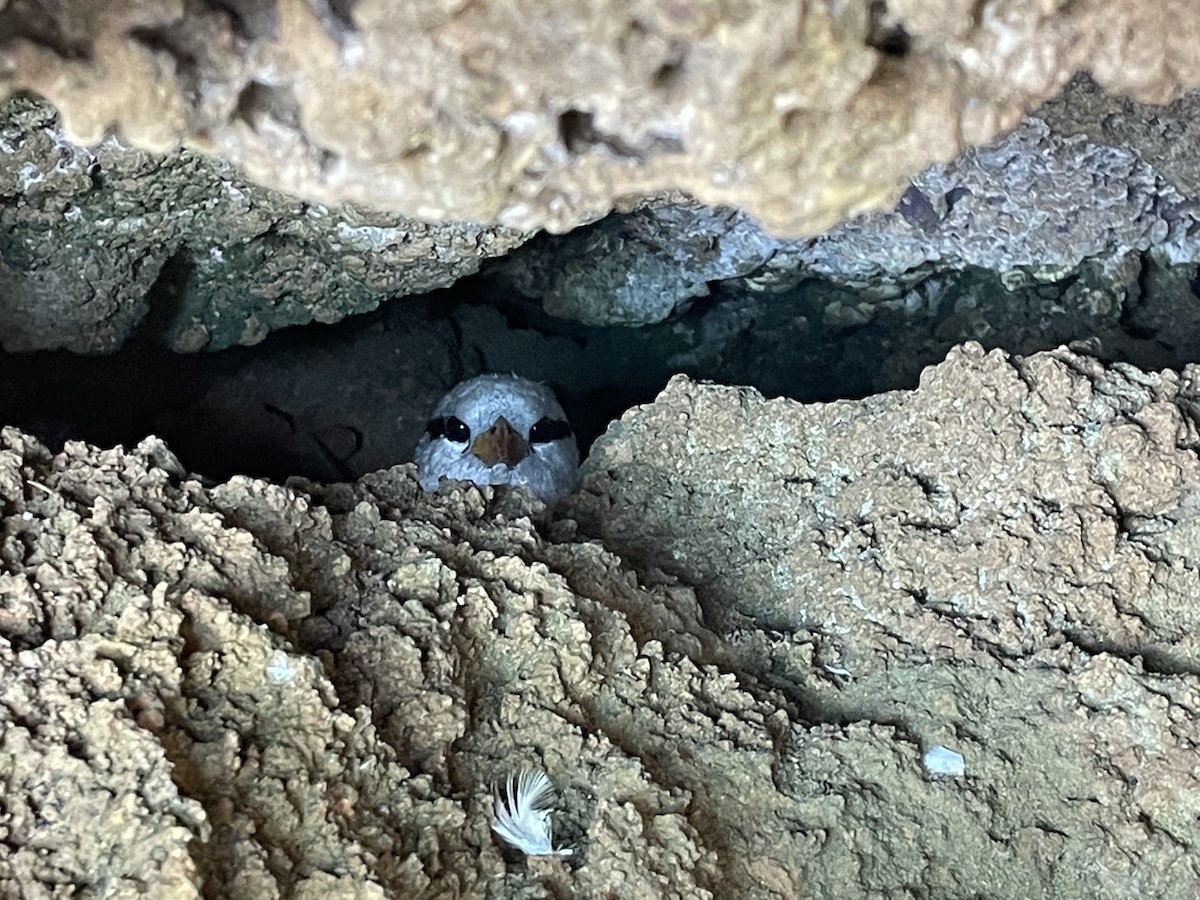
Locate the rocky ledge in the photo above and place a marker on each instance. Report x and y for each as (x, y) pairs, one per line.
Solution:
(927, 641)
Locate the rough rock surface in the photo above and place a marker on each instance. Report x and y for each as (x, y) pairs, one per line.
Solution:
(640, 267)
(269, 691)
(1061, 198)
(552, 113)
(1167, 137)
(99, 243)
(1072, 225)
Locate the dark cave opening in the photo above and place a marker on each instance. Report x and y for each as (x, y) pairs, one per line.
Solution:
(332, 402)
(1024, 244)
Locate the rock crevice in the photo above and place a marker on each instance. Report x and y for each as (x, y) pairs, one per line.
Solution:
(309, 691)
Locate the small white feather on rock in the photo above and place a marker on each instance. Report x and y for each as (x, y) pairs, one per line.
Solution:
(520, 818)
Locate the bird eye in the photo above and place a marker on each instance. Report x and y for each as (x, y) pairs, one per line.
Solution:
(547, 429)
(450, 427)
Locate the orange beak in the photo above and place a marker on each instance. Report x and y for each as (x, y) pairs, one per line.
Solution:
(500, 444)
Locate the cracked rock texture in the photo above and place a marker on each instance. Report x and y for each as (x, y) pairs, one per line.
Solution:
(551, 114)
(1089, 194)
(1081, 221)
(731, 651)
(98, 244)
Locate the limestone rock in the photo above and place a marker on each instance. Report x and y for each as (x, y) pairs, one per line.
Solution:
(641, 267)
(99, 243)
(106, 242)
(550, 113)
(907, 497)
(1036, 207)
(733, 653)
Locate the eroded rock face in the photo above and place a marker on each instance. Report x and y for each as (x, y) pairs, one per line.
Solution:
(1072, 225)
(549, 114)
(308, 691)
(1062, 200)
(99, 243)
(909, 496)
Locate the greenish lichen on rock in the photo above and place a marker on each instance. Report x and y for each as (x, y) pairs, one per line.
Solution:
(99, 243)
(1034, 208)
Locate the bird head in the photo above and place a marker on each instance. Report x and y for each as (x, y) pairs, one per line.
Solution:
(499, 429)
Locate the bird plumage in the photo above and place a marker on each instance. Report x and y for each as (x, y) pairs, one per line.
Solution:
(519, 815)
(499, 429)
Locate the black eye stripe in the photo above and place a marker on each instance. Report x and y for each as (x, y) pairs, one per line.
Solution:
(450, 427)
(547, 429)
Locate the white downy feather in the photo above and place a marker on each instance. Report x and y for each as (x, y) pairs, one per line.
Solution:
(519, 817)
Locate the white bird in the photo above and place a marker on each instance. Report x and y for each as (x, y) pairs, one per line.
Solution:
(499, 429)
